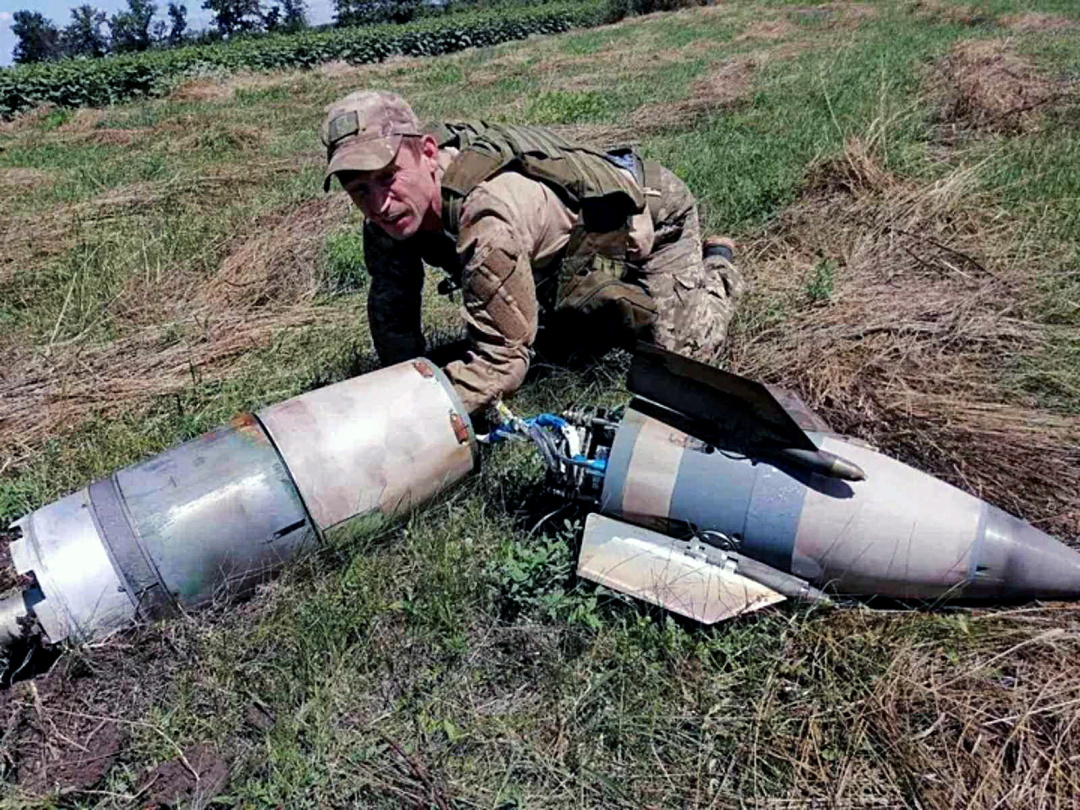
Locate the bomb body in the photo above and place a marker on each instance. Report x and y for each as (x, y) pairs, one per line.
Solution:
(900, 533)
(212, 518)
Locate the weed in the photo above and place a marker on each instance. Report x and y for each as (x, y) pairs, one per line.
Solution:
(343, 261)
(819, 289)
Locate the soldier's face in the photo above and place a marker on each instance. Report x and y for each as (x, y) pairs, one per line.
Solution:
(401, 198)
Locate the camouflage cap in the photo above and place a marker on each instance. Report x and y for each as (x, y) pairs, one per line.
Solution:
(362, 132)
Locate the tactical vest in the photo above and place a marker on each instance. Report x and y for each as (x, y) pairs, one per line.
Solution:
(593, 271)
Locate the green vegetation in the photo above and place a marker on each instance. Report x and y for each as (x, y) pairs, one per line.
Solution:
(98, 82)
(913, 255)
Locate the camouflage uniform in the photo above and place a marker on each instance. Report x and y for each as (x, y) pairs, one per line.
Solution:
(695, 296)
(506, 248)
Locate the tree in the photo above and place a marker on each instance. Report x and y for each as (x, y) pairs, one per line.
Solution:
(131, 29)
(294, 15)
(178, 21)
(83, 36)
(271, 20)
(234, 16)
(38, 38)
(364, 12)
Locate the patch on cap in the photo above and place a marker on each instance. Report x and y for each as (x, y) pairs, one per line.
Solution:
(343, 126)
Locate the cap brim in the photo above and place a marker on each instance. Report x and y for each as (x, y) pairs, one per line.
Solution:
(362, 156)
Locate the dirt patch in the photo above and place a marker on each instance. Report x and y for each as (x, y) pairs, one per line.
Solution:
(54, 740)
(24, 178)
(986, 85)
(906, 304)
(768, 31)
(197, 775)
(1034, 22)
(934, 11)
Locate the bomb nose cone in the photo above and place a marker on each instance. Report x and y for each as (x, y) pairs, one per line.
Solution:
(1016, 560)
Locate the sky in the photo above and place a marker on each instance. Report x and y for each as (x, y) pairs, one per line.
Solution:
(59, 11)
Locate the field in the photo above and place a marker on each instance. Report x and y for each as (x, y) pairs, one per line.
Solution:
(903, 182)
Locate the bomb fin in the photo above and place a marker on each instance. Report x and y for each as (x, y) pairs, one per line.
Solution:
(685, 577)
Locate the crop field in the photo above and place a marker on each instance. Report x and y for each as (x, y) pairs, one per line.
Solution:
(903, 183)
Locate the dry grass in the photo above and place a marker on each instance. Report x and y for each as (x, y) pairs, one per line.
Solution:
(910, 299)
(224, 88)
(83, 120)
(986, 85)
(24, 178)
(276, 261)
(768, 31)
(834, 15)
(27, 120)
(174, 330)
(935, 11)
(1035, 22)
(994, 728)
(47, 392)
(34, 237)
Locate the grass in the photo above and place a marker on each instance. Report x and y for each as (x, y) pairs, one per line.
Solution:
(156, 285)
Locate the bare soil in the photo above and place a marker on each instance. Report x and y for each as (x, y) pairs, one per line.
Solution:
(197, 775)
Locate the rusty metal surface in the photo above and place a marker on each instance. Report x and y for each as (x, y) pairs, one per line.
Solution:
(84, 597)
(215, 515)
(379, 442)
(682, 577)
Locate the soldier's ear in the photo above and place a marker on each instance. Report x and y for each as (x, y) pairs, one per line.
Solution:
(429, 148)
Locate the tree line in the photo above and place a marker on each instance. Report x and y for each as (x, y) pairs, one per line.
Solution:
(91, 34)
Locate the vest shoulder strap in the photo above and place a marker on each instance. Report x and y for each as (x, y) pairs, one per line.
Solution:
(586, 180)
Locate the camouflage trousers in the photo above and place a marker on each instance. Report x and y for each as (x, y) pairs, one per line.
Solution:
(695, 296)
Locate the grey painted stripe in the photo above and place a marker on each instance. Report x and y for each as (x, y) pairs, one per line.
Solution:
(772, 521)
(713, 492)
(622, 450)
(758, 501)
(141, 579)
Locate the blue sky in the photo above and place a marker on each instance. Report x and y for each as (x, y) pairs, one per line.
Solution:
(59, 11)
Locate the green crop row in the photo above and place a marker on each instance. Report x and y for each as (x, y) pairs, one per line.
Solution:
(98, 82)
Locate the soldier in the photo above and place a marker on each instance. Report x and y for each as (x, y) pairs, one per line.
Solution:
(538, 233)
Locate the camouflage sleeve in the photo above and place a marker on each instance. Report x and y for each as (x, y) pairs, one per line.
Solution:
(393, 305)
(499, 296)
